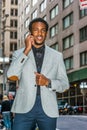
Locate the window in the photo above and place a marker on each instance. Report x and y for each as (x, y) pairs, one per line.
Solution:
(13, 35)
(83, 13)
(54, 12)
(44, 17)
(34, 2)
(83, 58)
(68, 63)
(83, 34)
(14, 12)
(13, 23)
(27, 9)
(55, 46)
(54, 30)
(68, 42)
(26, 22)
(68, 20)
(26, 34)
(34, 14)
(43, 5)
(13, 46)
(66, 3)
(14, 2)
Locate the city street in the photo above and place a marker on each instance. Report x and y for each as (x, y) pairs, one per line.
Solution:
(72, 122)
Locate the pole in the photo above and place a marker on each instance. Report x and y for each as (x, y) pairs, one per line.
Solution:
(3, 52)
(3, 74)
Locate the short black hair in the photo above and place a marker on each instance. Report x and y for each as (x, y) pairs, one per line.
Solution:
(38, 20)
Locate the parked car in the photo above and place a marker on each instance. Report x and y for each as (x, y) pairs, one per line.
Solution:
(61, 104)
(64, 107)
(77, 109)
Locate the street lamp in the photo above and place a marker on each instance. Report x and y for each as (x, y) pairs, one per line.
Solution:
(3, 48)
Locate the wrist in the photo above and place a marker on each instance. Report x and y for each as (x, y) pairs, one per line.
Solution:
(48, 84)
(26, 51)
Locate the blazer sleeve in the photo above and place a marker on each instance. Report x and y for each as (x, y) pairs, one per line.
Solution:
(15, 69)
(61, 83)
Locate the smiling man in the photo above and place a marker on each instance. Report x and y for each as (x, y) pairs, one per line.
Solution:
(41, 73)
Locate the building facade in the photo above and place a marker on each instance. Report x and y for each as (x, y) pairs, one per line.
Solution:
(9, 34)
(67, 34)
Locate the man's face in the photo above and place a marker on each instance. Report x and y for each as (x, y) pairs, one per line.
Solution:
(39, 32)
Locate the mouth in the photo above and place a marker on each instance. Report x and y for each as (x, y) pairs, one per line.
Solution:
(39, 38)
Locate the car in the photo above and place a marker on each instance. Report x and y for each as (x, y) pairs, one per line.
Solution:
(61, 104)
(78, 109)
(64, 107)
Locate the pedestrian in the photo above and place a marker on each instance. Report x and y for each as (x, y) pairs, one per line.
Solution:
(41, 73)
(5, 111)
(11, 100)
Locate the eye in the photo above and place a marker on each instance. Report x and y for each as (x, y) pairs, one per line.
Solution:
(43, 30)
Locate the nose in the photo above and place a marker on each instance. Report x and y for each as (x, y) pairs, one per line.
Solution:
(39, 32)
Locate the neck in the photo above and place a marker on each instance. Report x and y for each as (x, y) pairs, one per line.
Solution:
(38, 46)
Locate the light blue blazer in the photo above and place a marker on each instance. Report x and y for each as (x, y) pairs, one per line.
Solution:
(24, 67)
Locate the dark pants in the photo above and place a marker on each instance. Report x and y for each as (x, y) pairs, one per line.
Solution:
(27, 121)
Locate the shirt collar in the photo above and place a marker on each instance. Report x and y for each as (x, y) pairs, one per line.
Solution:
(40, 49)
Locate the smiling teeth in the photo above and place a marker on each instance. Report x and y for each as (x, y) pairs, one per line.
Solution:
(40, 38)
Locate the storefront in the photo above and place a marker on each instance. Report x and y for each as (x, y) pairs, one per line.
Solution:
(77, 94)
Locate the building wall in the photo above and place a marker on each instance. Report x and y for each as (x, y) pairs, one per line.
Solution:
(8, 37)
(6, 9)
(74, 29)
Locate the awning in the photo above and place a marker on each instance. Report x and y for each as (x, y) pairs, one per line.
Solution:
(78, 75)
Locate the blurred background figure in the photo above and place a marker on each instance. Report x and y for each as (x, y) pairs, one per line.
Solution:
(5, 111)
(11, 100)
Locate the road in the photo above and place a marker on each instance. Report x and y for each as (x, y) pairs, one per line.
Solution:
(72, 122)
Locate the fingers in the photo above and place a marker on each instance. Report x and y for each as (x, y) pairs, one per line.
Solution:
(41, 79)
(30, 37)
(29, 41)
(38, 78)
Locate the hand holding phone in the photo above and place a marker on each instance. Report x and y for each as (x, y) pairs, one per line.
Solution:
(29, 41)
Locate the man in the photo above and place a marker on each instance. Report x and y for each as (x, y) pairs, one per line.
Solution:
(41, 73)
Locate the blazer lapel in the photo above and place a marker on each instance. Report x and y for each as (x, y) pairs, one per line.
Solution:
(31, 57)
(45, 65)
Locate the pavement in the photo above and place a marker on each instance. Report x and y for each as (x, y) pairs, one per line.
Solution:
(72, 122)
